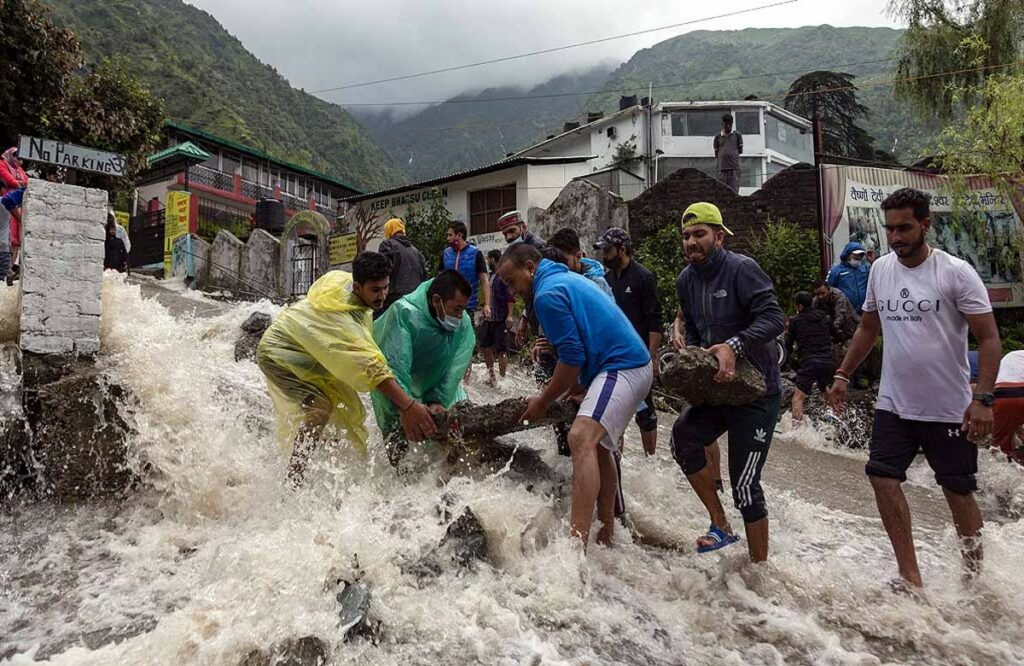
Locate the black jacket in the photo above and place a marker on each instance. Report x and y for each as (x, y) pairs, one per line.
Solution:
(729, 295)
(115, 257)
(408, 267)
(810, 331)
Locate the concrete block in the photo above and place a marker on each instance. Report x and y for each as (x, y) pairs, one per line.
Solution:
(226, 261)
(38, 343)
(261, 263)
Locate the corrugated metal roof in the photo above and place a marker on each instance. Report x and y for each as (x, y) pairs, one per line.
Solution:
(469, 173)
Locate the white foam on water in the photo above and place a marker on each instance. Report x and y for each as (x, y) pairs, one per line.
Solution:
(216, 558)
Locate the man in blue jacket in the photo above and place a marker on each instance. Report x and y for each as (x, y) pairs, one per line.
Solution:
(601, 358)
(850, 275)
(727, 304)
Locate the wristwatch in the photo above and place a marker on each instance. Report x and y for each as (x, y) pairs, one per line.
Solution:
(986, 399)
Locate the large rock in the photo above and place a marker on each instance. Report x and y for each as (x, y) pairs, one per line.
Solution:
(588, 208)
(253, 329)
(691, 376)
(468, 422)
(305, 651)
(77, 447)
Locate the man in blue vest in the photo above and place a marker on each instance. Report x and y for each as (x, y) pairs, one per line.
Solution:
(469, 262)
(850, 275)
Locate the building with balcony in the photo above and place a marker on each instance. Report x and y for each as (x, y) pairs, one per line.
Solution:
(229, 181)
(641, 144)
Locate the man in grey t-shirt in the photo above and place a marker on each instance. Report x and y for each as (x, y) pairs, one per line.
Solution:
(923, 302)
(728, 148)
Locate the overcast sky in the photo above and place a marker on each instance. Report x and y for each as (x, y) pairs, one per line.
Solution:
(318, 44)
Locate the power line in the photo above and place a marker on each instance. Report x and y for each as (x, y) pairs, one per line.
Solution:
(552, 50)
(512, 98)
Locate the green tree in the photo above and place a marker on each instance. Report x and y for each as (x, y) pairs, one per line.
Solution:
(107, 108)
(789, 255)
(45, 91)
(37, 62)
(834, 96)
(951, 47)
(427, 228)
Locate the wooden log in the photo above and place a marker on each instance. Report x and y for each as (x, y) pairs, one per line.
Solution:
(691, 377)
(468, 422)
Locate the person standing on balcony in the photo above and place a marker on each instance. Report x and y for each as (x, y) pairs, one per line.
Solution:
(728, 145)
(408, 267)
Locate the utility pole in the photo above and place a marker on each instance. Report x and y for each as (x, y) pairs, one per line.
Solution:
(817, 141)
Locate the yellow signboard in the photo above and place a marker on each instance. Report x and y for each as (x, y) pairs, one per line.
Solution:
(175, 223)
(342, 248)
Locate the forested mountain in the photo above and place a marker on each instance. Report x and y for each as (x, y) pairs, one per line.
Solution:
(701, 65)
(208, 79)
(482, 127)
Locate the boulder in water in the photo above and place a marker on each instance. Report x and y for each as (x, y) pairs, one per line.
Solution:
(355, 606)
(305, 651)
(690, 375)
(252, 331)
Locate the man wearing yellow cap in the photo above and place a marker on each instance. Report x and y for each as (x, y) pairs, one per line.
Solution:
(727, 305)
(408, 267)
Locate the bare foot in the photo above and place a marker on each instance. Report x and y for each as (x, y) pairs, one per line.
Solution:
(604, 535)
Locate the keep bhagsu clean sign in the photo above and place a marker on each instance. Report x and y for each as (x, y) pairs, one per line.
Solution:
(71, 156)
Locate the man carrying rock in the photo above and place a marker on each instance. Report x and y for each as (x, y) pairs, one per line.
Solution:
(427, 339)
(601, 358)
(924, 301)
(727, 304)
(319, 355)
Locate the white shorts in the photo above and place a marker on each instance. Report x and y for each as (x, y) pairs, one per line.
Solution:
(614, 398)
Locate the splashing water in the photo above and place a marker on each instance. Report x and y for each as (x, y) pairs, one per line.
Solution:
(215, 557)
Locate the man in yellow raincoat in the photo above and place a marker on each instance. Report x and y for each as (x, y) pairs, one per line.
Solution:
(427, 339)
(319, 354)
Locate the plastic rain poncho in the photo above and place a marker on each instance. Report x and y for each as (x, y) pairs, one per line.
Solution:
(325, 344)
(427, 361)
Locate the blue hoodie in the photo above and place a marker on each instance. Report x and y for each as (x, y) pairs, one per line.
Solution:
(853, 282)
(585, 327)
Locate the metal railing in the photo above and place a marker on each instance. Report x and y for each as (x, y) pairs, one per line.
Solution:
(219, 180)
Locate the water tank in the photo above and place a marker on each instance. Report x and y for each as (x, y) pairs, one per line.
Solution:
(626, 101)
(270, 216)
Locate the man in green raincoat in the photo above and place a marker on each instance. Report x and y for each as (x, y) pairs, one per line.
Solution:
(427, 339)
(319, 355)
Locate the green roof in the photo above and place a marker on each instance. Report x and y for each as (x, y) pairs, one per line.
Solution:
(259, 154)
(187, 150)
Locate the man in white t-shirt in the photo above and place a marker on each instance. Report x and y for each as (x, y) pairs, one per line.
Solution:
(923, 301)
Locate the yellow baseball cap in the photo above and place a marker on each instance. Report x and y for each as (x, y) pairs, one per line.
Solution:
(704, 213)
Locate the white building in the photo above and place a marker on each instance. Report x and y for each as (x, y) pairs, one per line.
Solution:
(624, 152)
(646, 144)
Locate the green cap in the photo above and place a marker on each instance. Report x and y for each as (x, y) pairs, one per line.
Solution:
(704, 213)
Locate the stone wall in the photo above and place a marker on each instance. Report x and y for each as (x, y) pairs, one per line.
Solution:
(62, 268)
(261, 262)
(226, 262)
(588, 208)
(791, 195)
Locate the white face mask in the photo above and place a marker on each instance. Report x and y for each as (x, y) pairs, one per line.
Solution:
(855, 262)
(448, 322)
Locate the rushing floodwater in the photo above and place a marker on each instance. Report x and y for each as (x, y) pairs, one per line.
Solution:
(217, 558)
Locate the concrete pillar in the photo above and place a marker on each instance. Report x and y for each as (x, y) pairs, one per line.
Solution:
(62, 268)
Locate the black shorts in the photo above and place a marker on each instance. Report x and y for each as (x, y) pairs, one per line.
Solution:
(493, 335)
(896, 441)
(818, 373)
(647, 418)
(750, 429)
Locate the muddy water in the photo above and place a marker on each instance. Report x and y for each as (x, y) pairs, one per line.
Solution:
(217, 558)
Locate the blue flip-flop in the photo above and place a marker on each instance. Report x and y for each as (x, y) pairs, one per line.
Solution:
(721, 540)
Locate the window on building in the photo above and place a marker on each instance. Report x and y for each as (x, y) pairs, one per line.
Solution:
(230, 164)
(788, 139)
(250, 171)
(748, 123)
(486, 206)
(697, 123)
